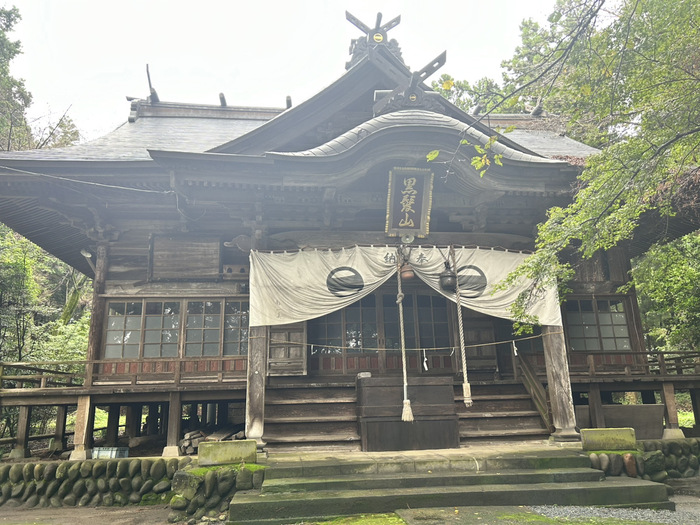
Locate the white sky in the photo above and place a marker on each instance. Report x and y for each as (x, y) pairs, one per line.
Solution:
(89, 54)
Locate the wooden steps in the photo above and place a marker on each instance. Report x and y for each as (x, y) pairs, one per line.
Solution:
(313, 415)
(499, 410)
(324, 415)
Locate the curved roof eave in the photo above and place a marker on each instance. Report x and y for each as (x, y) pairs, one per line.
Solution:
(417, 119)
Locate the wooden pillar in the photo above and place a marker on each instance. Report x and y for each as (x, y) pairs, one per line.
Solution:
(648, 397)
(21, 448)
(257, 376)
(668, 397)
(59, 436)
(152, 419)
(99, 306)
(211, 414)
(595, 406)
(112, 433)
(174, 428)
(695, 399)
(84, 425)
(222, 414)
(205, 415)
(133, 420)
(559, 384)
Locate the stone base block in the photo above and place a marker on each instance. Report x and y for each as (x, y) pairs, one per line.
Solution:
(608, 439)
(227, 452)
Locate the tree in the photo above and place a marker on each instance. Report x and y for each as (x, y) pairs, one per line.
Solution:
(667, 280)
(44, 311)
(623, 76)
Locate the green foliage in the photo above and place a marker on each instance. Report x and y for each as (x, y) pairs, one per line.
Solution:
(667, 280)
(627, 82)
(624, 79)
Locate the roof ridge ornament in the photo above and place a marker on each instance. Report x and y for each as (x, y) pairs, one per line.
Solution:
(373, 37)
(409, 94)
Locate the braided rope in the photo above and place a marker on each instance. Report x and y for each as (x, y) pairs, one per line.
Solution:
(407, 413)
(466, 387)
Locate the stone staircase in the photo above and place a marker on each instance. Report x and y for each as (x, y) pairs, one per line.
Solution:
(300, 488)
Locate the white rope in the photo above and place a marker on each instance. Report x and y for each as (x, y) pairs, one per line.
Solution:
(466, 387)
(407, 413)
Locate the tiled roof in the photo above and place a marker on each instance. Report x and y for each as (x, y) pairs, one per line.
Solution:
(177, 127)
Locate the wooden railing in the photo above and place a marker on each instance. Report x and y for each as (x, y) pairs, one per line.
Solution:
(42, 374)
(600, 364)
(65, 374)
(535, 388)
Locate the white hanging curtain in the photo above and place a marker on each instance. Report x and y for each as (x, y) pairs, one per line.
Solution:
(479, 270)
(297, 286)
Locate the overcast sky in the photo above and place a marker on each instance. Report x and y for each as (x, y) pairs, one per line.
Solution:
(88, 55)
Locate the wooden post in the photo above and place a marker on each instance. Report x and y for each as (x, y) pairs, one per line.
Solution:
(152, 420)
(84, 426)
(59, 436)
(99, 306)
(112, 433)
(133, 421)
(21, 448)
(257, 376)
(668, 397)
(174, 428)
(559, 384)
(648, 397)
(205, 415)
(695, 400)
(595, 406)
(222, 414)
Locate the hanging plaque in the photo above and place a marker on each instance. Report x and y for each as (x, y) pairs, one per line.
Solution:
(409, 201)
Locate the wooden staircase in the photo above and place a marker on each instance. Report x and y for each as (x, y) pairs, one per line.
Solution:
(500, 410)
(318, 415)
(313, 415)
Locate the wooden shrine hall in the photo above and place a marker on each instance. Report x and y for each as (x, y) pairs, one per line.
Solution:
(325, 275)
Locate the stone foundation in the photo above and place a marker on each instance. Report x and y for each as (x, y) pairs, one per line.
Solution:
(655, 460)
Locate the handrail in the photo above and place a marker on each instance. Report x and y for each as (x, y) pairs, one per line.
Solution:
(535, 389)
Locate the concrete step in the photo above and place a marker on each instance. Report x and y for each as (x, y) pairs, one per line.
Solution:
(430, 479)
(257, 508)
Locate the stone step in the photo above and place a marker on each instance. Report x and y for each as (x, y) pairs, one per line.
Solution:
(429, 479)
(388, 463)
(256, 508)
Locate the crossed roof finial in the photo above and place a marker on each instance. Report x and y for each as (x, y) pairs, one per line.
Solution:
(378, 34)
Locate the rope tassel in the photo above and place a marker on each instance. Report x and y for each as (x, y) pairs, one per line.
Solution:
(467, 394)
(407, 413)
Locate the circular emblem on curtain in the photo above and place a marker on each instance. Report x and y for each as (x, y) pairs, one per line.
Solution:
(344, 281)
(472, 281)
